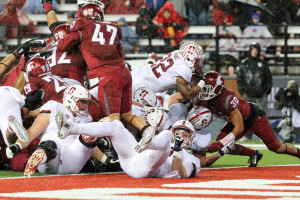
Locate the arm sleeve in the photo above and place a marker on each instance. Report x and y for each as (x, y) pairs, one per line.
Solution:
(269, 80)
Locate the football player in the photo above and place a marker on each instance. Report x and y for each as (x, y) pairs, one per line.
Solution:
(100, 46)
(241, 117)
(158, 160)
(173, 70)
(54, 155)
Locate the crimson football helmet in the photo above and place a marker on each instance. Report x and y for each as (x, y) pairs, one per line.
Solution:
(35, 67)
(92, 10)
(200, 117)
(61, 31)
(213, 86)
(193, 55)
(185, 125)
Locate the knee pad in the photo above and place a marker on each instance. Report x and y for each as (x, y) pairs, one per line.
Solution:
(88, 141)
(104, 144)
(49, 147)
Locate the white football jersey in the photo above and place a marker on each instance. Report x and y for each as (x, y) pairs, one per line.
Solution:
(161, 76)
(165, 171)
(51, 131)
(201, 140)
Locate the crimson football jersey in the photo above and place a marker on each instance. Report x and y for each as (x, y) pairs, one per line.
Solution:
(222, 105)
(99, 44)
(53, 88)
(67, 64)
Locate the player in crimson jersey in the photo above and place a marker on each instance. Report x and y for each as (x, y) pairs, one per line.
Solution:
(241, 117)
(100, 46)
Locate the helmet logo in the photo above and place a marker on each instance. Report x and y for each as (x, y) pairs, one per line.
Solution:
(191, 49)
(219, 81)
(88, 12)
(71, 90)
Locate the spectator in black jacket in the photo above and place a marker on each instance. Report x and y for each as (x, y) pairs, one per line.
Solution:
(254, 79)
(144, 26)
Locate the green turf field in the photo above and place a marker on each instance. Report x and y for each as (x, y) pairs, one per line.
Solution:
(269, 158)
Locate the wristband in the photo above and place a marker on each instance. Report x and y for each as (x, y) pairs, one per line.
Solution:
(19, 144)
(16, 54)
(201, 83)
(221, 153)
(228, 139)
(177, 154)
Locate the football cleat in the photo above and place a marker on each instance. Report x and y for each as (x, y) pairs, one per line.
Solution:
(253, 160)
(33, 162)
(62, 125)
(15, 127)
(148, 134)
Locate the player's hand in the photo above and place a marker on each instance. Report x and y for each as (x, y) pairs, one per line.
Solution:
(227, 149)
(33, 100)
(28, 45)
(202, 81)
(213, 147)
(47, 4)
(12, 150)
(225, 142)
(178, 142)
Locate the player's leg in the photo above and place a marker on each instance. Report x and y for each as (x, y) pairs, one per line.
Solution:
(136, 121)
(9, 106)
(46, 150)
(76, 155)
(263, 129)
(147, 163)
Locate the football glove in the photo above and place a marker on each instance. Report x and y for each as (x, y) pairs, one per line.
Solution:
(47, 4)
(12, 150)
(225, 142)
(33, 100)
(28, 45)
(178, 142)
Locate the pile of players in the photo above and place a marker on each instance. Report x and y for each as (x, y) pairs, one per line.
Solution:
(68, 121)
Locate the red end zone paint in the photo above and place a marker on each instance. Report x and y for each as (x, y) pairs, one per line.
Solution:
(261, 182)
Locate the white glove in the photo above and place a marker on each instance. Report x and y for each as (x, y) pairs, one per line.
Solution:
(201, 83)
(13, 149)
(227, 149)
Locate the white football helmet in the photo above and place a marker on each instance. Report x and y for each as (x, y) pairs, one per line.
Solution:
(145, 96)
(76, 99)
(193, 54)
(156, 117)
(200, 117)
(186, 125)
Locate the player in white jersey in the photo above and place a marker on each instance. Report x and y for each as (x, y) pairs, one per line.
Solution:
(152, 162)
(54, 155)
(173, 70)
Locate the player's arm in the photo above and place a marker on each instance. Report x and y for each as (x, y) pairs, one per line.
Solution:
(237, 121)
(177, 165)
(175, 98)
(51, 16)
(206, 161)
(186, 90)
(69, 41)
(37, 128)
(6, 65)
(20, 82)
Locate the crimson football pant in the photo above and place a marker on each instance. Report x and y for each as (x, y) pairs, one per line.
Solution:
(114, 92)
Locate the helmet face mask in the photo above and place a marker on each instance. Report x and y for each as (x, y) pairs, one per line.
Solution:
(200, 117)
(213, 87)
(76, 99)
(36, 67)
(185, 128)
(193, 55)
